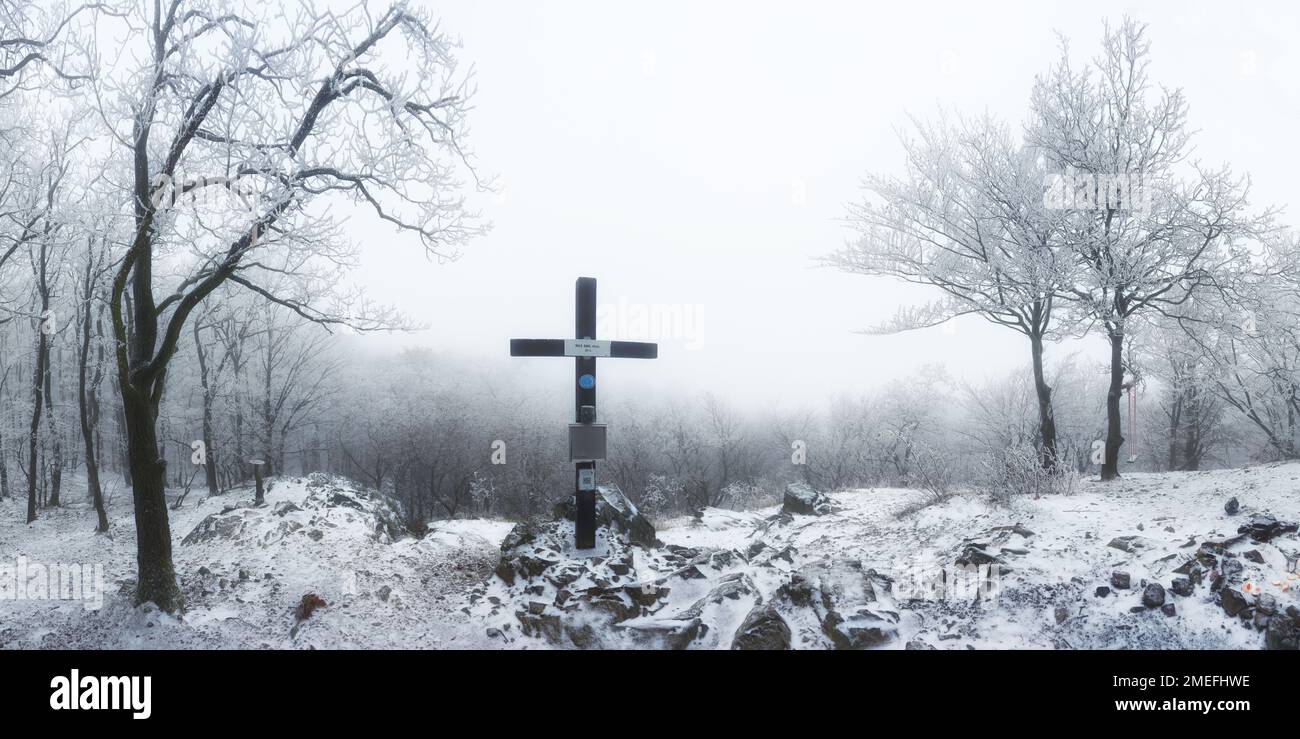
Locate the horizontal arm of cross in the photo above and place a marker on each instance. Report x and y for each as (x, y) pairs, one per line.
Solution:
(583, 348)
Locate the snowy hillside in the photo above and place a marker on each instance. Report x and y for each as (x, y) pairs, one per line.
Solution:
(1076, 571)
(244, 571)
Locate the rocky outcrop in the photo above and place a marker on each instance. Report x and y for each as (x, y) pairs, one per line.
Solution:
(802, 500)
(613, 508)
(571, 599)
(1283, 632)
(764, 629)
(1263, 527)
(838, 605)
(331, 502)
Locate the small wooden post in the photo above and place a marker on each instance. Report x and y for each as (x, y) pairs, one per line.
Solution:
(257, 478)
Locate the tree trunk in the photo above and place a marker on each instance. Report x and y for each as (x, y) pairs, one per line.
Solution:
(157, 581)
(1046, 418)
(240, 468)
(1114, 437)
(1192, 449)
(268, 416)
(123, 434)
(89, 416)
(210, 461)
(1175, 421)
(38, 387)
(4, 469)
(52, 423)
(260, 492)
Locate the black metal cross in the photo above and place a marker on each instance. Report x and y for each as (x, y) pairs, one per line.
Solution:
(586, 437)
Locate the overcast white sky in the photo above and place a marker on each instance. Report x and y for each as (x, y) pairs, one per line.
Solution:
(700, 154)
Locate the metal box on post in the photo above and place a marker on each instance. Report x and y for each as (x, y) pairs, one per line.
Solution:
(586, 442)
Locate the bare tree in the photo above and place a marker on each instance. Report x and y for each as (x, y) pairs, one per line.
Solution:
(34, 39)
(90, 326)
(969, 220)
(193, 127)
(296, 371)
(1147, 229)
(1246, 332)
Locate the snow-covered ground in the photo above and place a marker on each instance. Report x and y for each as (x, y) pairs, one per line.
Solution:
(243, 585)
(246, 570)
(1068, 557)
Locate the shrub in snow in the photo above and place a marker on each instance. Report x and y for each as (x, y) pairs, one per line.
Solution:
(660, 495)
(933, 472)
(1017, 471)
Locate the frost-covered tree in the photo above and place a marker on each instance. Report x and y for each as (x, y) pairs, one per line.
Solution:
(1248, 335)
(1147, 228)
(270, 123)
(968, 218)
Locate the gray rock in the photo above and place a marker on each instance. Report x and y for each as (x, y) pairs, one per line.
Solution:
(546, 625)
(1232, 506)
(1128, 544)
(284, 508)
(1120, 580)
(1061, 613)
(975, 555)
(1264, 527)
(216, 526)
(1169, 610)
(1181, 586)
(1282, 633)
(613, 508)
(1233, 601)
(670, 633)
(763, 629)
(801, 499)
(863, 632)
(1231, 569)
(1153, 596)
(1261, 620)
(1266, 604)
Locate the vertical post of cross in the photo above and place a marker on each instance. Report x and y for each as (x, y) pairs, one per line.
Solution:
(585, 412)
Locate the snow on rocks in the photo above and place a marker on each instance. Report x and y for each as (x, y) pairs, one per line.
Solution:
(328, 504)
(678, 597)
(964, 573)
(801, 499)
(1263, 527)
(838, 605)
(613, 508)
(1058, 572)
(245, 569)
